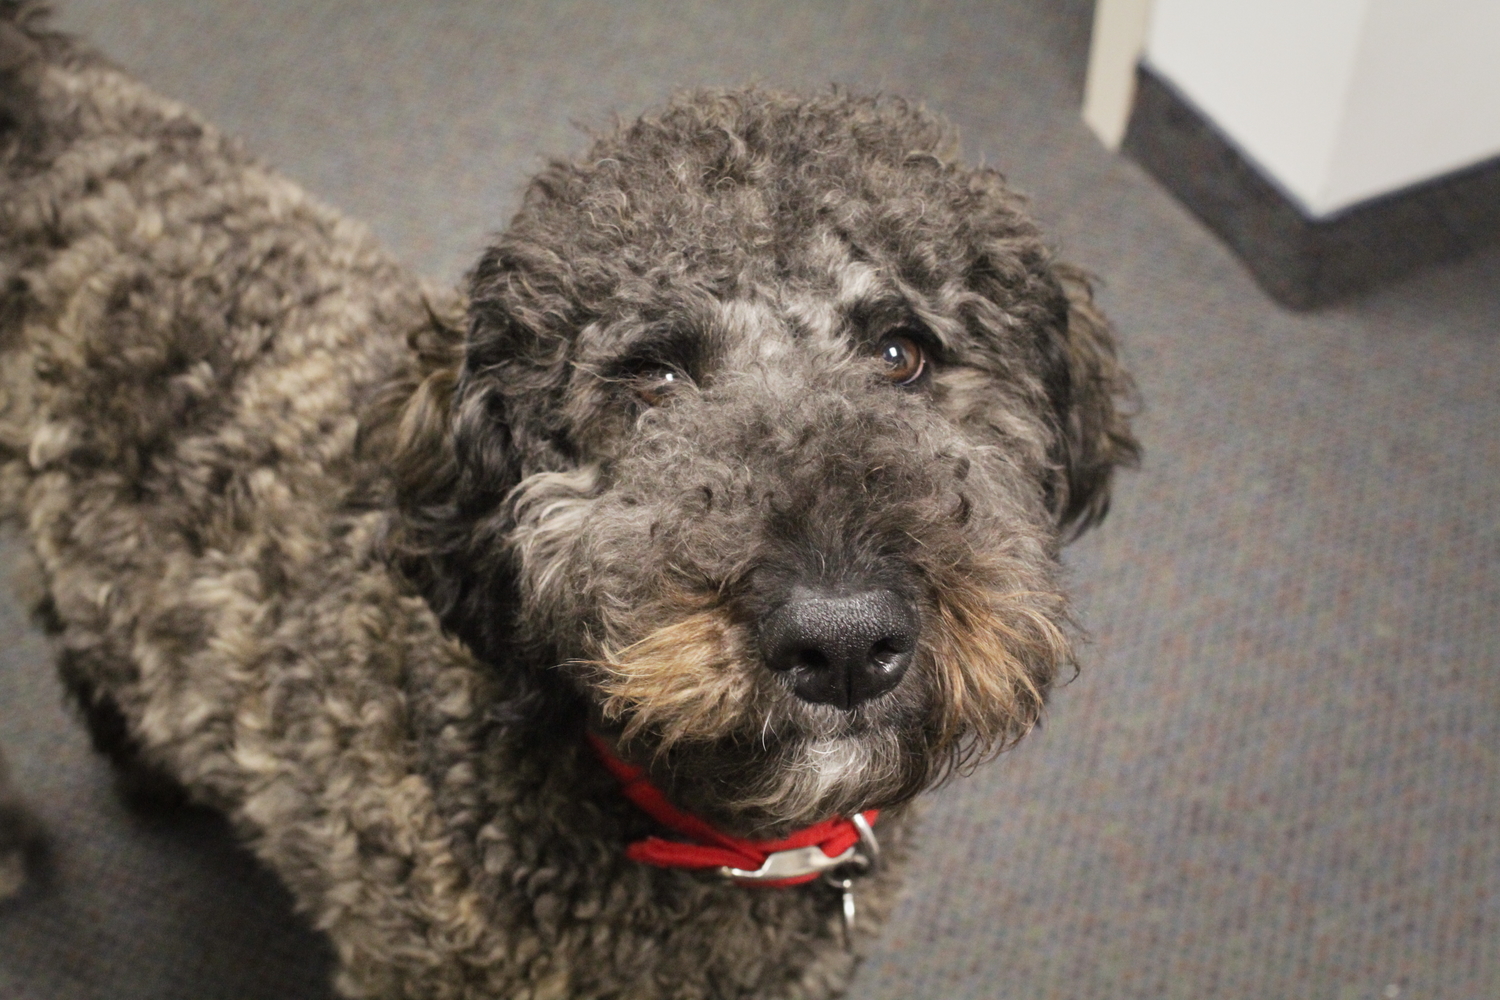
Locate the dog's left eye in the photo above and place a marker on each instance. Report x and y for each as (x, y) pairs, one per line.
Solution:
(905, 360)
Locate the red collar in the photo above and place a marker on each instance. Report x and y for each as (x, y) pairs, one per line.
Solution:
(801, 857)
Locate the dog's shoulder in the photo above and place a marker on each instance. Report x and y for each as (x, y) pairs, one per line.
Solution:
(189, 344)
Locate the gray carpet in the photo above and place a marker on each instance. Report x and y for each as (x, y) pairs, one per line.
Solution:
(1278, 774)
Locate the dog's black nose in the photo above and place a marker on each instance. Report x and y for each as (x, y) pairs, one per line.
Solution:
(841, 650)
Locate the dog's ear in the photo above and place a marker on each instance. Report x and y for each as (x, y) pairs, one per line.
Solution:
(454, 460)
(1092, 398)
(410, 432)
(444, 429)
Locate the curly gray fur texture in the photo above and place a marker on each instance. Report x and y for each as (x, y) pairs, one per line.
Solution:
(358, 563)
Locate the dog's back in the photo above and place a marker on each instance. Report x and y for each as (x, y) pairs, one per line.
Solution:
(186, 344)
(150, 272)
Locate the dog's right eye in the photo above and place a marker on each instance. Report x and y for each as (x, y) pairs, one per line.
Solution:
(654, 385)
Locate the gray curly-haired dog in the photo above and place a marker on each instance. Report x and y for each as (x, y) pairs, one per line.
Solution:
(727, 507)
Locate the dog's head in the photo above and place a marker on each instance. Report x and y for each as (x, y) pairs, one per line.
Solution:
(769, 420)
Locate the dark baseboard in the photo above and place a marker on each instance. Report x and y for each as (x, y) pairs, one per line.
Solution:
(1302, 262)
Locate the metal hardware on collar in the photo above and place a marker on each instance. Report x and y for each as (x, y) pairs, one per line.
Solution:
(795, 863)
(846, 887)
(867, 857)
(867, 839)
(839, 872)
(800, 862)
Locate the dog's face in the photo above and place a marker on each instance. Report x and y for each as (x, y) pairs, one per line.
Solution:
(769, 421)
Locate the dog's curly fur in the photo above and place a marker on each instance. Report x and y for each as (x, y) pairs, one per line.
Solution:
(358, 563)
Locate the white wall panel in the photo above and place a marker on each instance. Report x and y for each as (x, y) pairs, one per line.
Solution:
(1339, 100)
(1425, 97)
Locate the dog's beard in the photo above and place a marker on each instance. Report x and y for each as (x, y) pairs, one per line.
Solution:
(768, 791)
(813, 777)
(692, 700)
(768, 785)
(731, 739)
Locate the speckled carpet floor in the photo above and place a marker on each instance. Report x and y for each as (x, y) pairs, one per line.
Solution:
(1278, 773)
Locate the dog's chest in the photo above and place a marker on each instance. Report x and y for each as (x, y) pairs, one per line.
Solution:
(533, 892)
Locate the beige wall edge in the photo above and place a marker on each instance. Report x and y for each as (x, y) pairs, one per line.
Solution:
(1108, 92)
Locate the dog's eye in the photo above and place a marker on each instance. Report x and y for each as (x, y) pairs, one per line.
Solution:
(905, 360)
(656, 384)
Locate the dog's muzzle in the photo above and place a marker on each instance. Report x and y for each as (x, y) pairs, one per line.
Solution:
(841, 650)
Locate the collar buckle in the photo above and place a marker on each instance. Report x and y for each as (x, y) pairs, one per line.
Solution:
(801, 862)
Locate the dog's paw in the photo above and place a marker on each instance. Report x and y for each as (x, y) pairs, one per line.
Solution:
(147, 790)
(18, 833)
(12, 872)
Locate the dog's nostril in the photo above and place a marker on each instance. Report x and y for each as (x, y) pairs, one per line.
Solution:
(812, 659)
(841, 650)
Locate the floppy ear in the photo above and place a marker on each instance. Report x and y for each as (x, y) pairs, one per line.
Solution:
(447, 435)
(1094, 399)
(410, 431)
